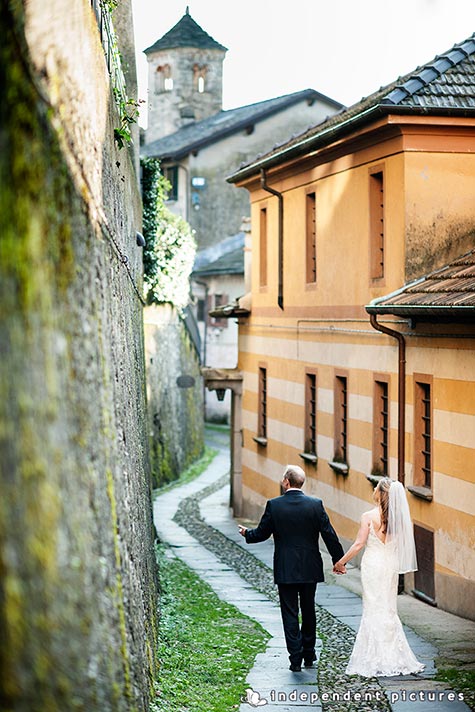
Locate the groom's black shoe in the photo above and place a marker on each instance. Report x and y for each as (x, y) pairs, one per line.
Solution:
(295, 667)
(308, 662)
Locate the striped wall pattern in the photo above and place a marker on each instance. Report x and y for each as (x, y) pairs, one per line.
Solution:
(286, 356)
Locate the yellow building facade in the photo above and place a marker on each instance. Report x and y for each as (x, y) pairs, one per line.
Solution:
(343, 218)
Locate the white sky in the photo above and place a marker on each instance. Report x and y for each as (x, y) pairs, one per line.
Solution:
(345, 49)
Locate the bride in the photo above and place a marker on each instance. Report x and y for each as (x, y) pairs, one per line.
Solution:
(381, 648)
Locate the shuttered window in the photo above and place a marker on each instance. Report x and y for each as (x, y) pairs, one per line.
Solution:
(422, 434)
(311, 238)
(341, 419)
(262, 405)
(376, 213)
(381, 428)
(310, 445)
(263, 248)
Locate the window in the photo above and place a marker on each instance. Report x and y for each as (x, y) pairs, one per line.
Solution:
(171, 174)
(200, 310)
(199, 76)
(376, 216)
(422, 433)
(215, 301)
(310, 445)
(381, 427)
(262, 404)
(311, 238)
(263, 248)
(341, 419)
(163, 78)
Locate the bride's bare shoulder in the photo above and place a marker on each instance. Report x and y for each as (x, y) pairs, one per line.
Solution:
(366, 517)
(371, 513)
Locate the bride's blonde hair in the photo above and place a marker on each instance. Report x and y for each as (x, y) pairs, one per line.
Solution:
(382, 490)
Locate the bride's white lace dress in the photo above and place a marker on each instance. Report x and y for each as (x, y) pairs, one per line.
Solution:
(381, 648)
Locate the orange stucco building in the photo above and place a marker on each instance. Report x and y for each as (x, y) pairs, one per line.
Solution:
(357, 355)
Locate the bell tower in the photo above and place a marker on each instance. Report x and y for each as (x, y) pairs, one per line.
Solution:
(185, 78)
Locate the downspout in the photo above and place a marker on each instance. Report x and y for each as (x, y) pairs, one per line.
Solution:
(401, 450)
(280, 288)
(205, 328)
(187, 191)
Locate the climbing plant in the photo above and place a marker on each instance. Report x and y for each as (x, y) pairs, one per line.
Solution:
(170, 244)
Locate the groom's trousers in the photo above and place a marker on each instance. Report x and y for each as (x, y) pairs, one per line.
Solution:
(300, 639)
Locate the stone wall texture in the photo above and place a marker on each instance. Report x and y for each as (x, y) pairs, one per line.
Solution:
(175, 412)
(169, 111)
(78, 589)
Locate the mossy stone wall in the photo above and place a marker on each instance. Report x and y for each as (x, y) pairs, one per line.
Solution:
(78, 589)
(176, 417)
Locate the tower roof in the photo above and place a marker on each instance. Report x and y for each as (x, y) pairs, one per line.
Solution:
(186, 33)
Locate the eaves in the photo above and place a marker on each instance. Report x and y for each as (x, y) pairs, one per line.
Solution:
(337, 131)
(219, 134)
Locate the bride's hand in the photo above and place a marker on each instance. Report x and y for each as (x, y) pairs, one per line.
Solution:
(339, 568)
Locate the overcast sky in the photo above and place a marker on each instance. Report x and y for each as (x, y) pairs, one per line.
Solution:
(345, 49)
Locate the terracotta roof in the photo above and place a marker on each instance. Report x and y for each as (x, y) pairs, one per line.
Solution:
(186, 33)
(445, 85)
(446, 292)
(225, 123)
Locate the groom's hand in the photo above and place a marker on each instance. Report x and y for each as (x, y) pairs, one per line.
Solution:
(339, 568)
(242, 530)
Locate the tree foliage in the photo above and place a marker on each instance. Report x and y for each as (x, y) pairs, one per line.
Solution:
(170, 244)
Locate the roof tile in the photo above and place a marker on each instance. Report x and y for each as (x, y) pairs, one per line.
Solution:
(186, 33)
(441, 292)
(445, 84)
(211, 129)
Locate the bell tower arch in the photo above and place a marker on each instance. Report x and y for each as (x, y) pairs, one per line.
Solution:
(185, 78)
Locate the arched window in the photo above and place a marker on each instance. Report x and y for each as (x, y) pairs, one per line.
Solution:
(163, 78)
(199, 77)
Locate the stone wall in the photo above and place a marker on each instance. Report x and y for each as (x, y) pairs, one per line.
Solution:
(78, 587)
(169, 111)
(175, 412)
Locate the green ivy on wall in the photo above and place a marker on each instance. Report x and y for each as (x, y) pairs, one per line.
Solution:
(170, 244)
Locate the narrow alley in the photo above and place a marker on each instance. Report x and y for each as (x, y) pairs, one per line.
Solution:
(195, 521)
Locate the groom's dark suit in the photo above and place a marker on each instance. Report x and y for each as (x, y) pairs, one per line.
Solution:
(296, 521)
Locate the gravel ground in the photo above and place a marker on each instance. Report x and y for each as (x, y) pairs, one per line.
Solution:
(337, 638)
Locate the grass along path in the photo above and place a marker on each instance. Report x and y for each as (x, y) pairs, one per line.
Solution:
(206, 646)
(191, 472)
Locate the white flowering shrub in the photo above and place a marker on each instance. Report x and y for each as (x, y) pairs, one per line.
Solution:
(170, 244)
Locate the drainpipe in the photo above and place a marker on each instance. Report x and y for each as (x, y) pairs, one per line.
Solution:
(264, 186)
(205, 329)
(187, 191)
(401, 455)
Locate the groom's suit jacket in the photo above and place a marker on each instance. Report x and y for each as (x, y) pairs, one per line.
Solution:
(296, 521)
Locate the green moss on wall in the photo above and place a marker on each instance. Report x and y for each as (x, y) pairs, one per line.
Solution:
(176, 414)
(73, 472)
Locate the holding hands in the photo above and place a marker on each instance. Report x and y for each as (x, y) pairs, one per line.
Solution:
(339, 568)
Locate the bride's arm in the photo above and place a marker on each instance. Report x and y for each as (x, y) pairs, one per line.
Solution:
(358, 543)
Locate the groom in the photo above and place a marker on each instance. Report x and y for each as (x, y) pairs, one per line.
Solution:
(296, 521)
